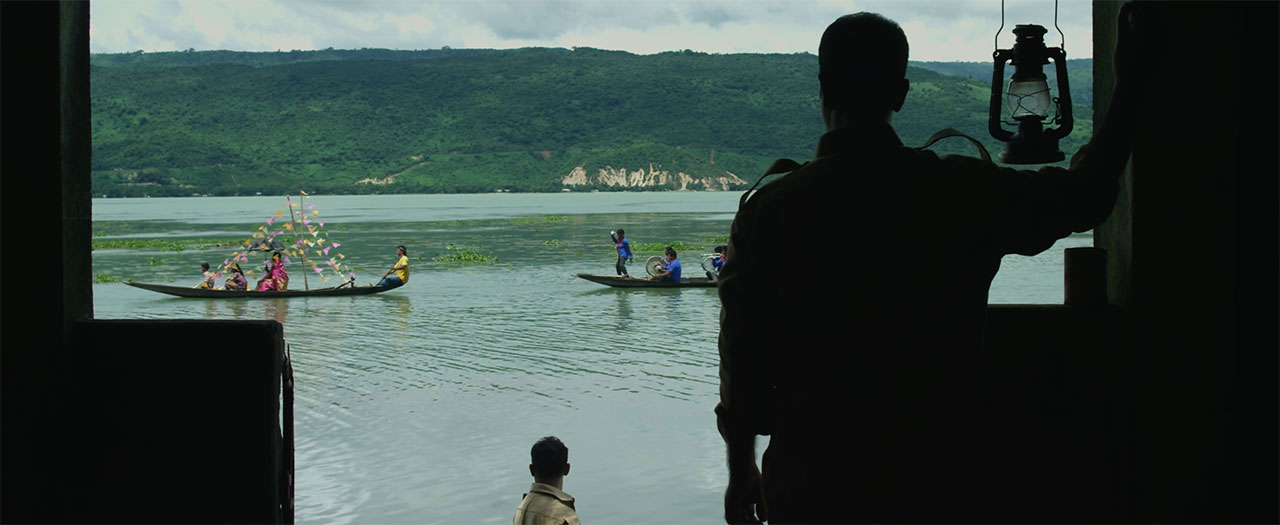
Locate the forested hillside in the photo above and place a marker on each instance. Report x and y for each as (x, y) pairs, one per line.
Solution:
(456, 120)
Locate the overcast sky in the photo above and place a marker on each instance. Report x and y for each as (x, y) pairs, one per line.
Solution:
(938, 30)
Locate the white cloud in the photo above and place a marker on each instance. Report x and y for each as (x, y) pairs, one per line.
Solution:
(937, 30)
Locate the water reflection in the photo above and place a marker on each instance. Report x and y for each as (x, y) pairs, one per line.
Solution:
(277, 309)
(420, 404)
(623, 317)
(400, 307)
(237, 309)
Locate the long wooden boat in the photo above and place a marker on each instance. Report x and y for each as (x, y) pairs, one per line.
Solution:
(632, 282)
(185, 291)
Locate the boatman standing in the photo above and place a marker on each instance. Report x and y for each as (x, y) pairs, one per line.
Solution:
(624, 251)
(400, 268)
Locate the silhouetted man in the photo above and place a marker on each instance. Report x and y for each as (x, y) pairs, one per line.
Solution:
(869, 384)
(546, 503)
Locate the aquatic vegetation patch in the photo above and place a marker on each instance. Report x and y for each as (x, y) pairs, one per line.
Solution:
(536, 220)
(164, 245)
(464, 254)
(554, 243)
(719, 239)
(660, 246)
(104, 277)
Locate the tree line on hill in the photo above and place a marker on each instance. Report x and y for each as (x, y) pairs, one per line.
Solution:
(463, 120)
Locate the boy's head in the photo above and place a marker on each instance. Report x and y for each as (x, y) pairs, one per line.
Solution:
(621, 233)
(671, 252)
(204, 267)
(862, 64)
(550, 459)
(720, 249)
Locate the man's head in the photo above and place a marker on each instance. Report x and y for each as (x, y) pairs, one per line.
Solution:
(621, 233)
(401, 251)
(862, 66)
(204, 267)
(671, 252)
(550, 460)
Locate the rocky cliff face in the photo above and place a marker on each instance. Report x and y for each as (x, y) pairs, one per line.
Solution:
(653, 178)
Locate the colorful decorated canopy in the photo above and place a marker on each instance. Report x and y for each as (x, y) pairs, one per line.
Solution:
(299, 234)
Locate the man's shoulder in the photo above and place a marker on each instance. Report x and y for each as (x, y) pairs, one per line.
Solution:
(821, 174)
(544, 509)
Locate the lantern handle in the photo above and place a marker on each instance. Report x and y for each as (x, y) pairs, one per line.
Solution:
(997, 94)
(1066, 121)
(995, 40)
(1063, 45)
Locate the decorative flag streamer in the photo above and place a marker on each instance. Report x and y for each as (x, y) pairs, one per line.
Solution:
(290, 234)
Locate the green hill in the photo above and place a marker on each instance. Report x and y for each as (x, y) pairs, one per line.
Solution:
(366, 121)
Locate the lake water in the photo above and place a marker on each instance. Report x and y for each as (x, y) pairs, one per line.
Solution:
(420, 405)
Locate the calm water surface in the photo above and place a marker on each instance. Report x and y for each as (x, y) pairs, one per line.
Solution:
(420, 405)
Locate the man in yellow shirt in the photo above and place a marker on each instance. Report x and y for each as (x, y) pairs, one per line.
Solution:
(401, 269)
(546, 503)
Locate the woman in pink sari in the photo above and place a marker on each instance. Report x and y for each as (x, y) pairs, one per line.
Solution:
(276, 278)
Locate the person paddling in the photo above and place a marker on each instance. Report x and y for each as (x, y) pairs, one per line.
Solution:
(400, 268)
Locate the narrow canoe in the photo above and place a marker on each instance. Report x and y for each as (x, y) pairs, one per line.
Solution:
(184, 291)
(632, 282)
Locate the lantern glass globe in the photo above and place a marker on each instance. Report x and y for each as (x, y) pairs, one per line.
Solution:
(1029, 98)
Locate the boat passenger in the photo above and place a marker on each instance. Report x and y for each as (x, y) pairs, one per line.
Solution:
(207, 283)
(276, 278)
(671, 270)
(624, 251)
(716, 264)
(236, 280)
(400, 268)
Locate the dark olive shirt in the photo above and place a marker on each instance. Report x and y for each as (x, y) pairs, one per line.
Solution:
(866, 371)
(546, 505)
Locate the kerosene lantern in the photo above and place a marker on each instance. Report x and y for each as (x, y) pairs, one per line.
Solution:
(1029, 101)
